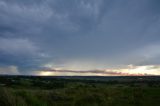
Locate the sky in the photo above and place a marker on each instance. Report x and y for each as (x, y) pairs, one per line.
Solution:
(80, 37)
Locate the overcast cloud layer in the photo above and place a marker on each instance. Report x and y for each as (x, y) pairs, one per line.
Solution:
(78, 35)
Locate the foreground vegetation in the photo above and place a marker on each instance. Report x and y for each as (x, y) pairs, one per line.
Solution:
(38, 91)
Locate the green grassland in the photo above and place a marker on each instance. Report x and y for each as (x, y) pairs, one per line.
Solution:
(20, 91)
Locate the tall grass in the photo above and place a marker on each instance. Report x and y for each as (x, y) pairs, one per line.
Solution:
(81, 96)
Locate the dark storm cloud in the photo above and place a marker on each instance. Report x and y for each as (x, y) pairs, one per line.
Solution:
(107, 32)
(24, 23)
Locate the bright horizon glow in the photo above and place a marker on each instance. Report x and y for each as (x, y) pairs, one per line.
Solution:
(129, 71)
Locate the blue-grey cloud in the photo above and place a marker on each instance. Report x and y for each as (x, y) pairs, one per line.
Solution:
(106, 33)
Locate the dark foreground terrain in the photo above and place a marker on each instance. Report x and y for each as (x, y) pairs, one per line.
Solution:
(79, 91)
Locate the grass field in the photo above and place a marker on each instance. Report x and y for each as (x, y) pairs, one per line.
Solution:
(24, 91)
